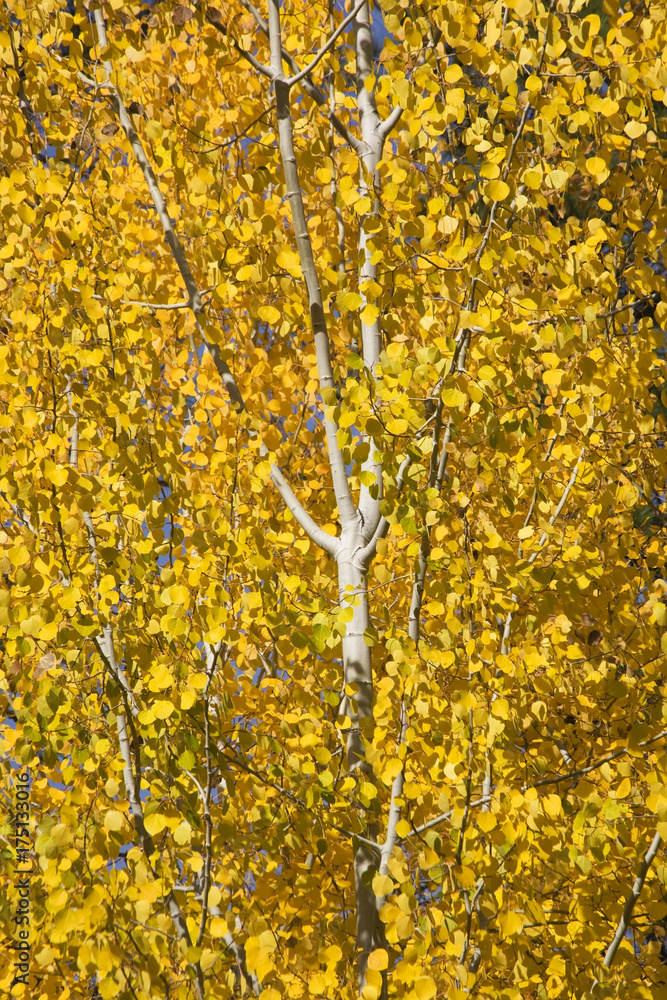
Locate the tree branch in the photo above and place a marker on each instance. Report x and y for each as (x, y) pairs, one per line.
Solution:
(368, 551)
(313, 92)
(580, 772)
(206, 798)
(545, 534)
(327, 45)
(438, 467)
(443, 817)
(630, 902)
(343, 130)
(346, 509)
(194, 295)
(390, 123)
(329, 543)
(391, 839)
(132, 774)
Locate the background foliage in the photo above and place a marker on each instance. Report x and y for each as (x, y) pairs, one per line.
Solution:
(172, 668)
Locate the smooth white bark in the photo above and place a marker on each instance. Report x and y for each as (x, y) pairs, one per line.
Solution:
(346, 509)
(630, 903)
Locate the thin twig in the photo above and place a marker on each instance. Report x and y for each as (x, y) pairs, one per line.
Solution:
(630, 902)
(327, 45)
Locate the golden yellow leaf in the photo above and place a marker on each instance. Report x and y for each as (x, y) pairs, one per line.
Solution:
(635, 129)
(183, 833)
(162, 709)
(425, 988)
(154, 823)
(378, 959)
(113, 820)
(595, 165)
(499, 190)
(382, 885)
(454, 397)
(510, 924)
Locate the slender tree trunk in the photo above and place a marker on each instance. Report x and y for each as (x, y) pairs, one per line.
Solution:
(355, 548)
(358, 671)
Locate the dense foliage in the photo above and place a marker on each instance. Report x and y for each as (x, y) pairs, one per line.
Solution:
(332, 479)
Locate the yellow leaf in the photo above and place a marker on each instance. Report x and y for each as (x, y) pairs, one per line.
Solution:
(269, 314)
(624, 789)
(32, 625)
(595, 165)
(60, 835)
(56, 900)
(350, 300)
(218, 927)
(18, 555)
(162, 709)
(160, 678)
(383, 885)
(154, 130)
(391, 769)
(660, 613)
(289, 261)
(490, 170)
(465, 876)
(113, 820)
(179, 594)
(627, 494)
(403, 828)
(454, 397)
(173, 625)
(155, 823)
(634, 129)
(369, 314)
(557, 178)
(552, 805)
(108, 987)
(378, 959)
(397, 425)
(188, 698)
(183, 833)
(498, 190)
(208, 958)
(500, 708)
(533, 179)
(510, 924)
(425, 988)
(486, 821)
(395, 350)
(367, 789)
(45, 956)
(58, 476)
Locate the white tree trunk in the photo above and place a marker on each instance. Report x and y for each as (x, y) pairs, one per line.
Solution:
(358, 671)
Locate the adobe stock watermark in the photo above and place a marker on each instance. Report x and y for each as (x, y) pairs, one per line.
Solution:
(23, 871)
